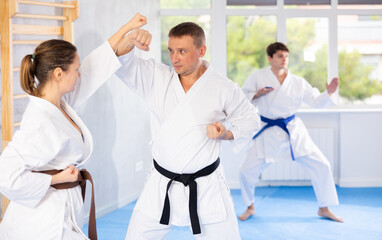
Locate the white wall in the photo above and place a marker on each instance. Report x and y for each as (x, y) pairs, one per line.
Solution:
(357, 147)
(361, 149)
(117, 118)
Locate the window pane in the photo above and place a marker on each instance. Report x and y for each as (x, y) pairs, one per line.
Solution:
(360, 61)
(353, 2)
(246, 4)
(307, 4)
(360, 4)
(247, 39)
(169, 22)
(308, 45)
(194, 4)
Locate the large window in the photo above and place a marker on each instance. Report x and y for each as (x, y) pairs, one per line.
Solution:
(326, 38)
(307, 40)
(360, 58)
(247, 37)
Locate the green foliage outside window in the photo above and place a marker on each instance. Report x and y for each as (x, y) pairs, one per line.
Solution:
(247, 41)
(246, 45)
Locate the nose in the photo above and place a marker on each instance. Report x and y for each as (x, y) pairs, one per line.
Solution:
(174, 57)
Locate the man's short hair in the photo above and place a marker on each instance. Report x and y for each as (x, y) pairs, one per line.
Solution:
(191, 29)
(276, 46)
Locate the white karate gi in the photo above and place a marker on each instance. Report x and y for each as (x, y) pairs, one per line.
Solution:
(273, 143)
(47, 140)
(180, 144)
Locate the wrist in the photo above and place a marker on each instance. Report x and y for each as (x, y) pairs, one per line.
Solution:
(53, 180)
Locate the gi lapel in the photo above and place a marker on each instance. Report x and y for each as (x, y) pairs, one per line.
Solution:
(279, 92)
(180, 111)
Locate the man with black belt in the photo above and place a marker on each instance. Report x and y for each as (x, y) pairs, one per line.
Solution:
(188, 104)
(278, 94)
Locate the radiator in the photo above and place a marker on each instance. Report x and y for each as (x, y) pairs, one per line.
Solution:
(290, 170)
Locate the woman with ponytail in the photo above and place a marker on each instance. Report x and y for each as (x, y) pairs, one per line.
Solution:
(40, 168)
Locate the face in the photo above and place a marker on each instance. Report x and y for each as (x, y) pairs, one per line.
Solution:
(70, 77)
(184, 55)
(279, 60)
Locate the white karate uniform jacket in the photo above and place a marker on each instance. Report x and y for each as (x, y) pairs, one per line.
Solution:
(47, 140)
(273, 143)
(179, 138)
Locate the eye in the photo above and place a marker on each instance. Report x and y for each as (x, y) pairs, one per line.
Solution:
(182, 52)
(171, 51)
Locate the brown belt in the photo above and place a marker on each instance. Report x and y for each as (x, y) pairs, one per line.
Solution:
(82, 177)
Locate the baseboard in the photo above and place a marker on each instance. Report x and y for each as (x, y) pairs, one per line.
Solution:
(236, 184)
(114, 206)
(360, 182)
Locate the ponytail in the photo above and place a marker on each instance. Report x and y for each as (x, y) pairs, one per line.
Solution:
(27, 80)
(36, 68)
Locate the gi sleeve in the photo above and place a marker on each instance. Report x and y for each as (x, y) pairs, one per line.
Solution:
(30, 148)
(250, 88)
(95, 69)
(243, 118)
(137, 74)
(314, 98)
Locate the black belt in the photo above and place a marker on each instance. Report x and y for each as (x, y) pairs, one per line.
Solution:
(186, 179)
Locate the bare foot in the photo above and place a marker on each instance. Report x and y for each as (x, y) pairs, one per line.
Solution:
(249, 212)
(326, 213)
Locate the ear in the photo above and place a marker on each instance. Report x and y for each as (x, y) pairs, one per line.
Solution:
(57, 73)
(203, 50)
(269, 58)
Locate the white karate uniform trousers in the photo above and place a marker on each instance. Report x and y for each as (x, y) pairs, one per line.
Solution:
(143, 227)
(315, 163)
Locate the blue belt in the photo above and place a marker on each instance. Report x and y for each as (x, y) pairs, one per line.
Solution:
(280, 122)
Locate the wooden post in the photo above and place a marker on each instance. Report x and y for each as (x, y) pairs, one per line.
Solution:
(7, 9)
(71, 14)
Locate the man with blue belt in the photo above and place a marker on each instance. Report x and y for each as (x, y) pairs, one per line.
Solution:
(278, 94)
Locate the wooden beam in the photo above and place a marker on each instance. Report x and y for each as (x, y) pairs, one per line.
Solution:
(20, 96)
(39, 16)
(6, 78)
(71, 14)
(13, 7)
(48, 4)
(37, 29)
(27, 42)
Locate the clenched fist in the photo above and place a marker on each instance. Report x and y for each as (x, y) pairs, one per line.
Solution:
(137, 21)
(216, 131)
(70, 174)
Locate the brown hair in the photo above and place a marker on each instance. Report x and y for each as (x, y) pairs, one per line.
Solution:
(191, 29)
(276, 46)
(47, 56)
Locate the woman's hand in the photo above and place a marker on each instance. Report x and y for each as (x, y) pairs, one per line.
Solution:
(117, 40)
(70, 174)
(136, 22)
